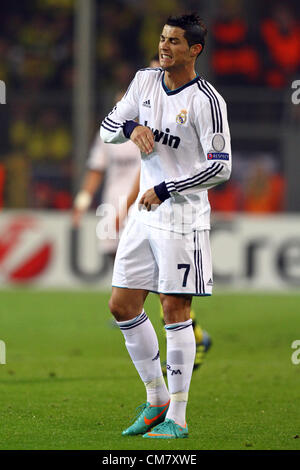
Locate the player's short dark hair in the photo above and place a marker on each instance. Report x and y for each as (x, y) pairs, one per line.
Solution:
(193, 26)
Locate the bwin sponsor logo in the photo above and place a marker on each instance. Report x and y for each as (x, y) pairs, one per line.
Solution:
(173, 371)
(164, 137)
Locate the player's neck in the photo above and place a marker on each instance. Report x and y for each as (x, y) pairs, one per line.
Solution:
(177, 78)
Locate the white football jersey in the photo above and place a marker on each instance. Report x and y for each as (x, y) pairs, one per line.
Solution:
(121, 164)
(192, 151)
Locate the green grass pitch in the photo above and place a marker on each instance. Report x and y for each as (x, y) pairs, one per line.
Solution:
(69, 384)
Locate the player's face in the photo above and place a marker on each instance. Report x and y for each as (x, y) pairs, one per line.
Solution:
(173, 48)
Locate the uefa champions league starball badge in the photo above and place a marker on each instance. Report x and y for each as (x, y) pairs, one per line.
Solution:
(218, 142)
(181, 117)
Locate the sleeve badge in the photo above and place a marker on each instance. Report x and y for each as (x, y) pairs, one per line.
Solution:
(218, 142)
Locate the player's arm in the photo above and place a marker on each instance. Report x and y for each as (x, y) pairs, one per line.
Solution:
(121, 125)
(214, 136)
(131, 198)
(92, 180)
(96, 167)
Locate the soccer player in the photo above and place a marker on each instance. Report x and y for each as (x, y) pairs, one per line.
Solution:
(183, 135)
(202, 338)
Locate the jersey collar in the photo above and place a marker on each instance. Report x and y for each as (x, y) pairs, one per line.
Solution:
(177, 90)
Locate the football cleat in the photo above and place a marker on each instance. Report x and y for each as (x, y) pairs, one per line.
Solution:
(201, 347)
(147, 417)
(168, 429)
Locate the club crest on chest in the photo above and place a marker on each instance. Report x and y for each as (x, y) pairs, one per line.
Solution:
(181, 117)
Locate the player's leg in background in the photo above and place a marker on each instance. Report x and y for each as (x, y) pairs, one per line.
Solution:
(141, 341)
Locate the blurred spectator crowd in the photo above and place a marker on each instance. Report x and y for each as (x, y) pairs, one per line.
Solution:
(250, 44)
(256, 186)
(36, 63)
(264, 50)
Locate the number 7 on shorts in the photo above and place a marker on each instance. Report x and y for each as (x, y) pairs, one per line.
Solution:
(187, 270)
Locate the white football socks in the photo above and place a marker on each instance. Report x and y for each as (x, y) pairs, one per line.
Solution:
(181, 350)
(142, 345)
(157, 392)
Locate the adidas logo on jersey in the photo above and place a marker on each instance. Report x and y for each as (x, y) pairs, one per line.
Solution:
(164, 137)
(210, 282)
(147, 104)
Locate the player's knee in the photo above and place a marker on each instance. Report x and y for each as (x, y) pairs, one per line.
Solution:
(175, 310)
(171, 314)
(120, 311)
(115, 309)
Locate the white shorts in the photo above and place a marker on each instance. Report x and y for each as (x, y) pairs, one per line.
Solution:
(163, 262)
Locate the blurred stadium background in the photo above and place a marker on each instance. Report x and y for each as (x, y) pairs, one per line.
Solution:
(63, 61)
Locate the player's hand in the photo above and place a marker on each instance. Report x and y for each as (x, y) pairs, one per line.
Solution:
(143, 137)
(149, 200)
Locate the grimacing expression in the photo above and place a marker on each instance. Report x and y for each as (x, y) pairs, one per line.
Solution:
(174, 50)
